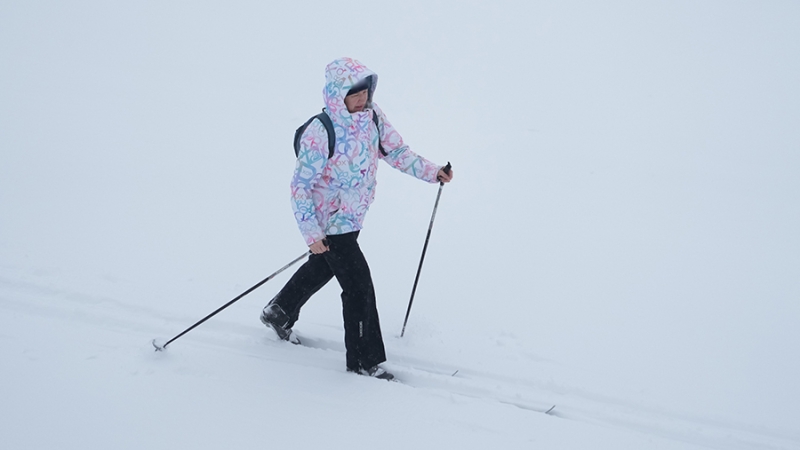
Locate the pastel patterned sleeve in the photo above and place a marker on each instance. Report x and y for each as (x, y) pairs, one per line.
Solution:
(400, 156)
(311, 158)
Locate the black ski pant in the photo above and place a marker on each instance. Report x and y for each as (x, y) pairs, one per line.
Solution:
(346, 262)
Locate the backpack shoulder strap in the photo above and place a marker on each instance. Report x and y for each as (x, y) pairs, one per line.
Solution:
(378, 126)
(327, 123)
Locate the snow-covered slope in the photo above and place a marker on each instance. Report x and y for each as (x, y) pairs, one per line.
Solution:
(620, 240)
(78, 372)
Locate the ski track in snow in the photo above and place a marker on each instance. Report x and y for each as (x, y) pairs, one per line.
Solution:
(323, 349)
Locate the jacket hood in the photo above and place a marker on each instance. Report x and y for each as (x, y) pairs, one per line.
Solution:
(340, 76)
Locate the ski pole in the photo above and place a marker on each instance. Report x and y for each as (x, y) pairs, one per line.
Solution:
(424, 248)
(257, 285)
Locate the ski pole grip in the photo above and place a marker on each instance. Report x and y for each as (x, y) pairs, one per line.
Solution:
(446, 170)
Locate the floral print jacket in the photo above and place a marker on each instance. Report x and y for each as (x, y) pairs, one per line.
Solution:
(332, 197)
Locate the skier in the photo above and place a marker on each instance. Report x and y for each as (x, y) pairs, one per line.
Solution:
(330, 197)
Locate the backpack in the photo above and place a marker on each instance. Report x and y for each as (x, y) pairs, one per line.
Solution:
(326, 121)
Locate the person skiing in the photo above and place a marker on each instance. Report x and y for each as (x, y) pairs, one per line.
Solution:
(330, 197)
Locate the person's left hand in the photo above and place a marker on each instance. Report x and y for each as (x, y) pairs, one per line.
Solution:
(319, 247)
(445, 177)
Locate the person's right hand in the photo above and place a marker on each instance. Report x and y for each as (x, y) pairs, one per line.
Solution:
(319, 247)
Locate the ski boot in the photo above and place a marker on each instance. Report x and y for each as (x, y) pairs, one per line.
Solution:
(375, 371)
(274, 317)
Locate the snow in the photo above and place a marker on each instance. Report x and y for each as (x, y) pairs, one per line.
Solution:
(620, 239)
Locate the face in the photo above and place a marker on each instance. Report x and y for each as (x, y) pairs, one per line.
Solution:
(356, 102)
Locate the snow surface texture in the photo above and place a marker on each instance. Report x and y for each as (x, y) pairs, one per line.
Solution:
(621, 238)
